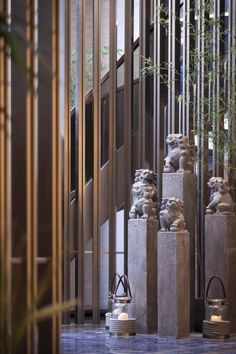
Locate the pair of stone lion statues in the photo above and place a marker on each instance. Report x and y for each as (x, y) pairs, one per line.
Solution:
(145, 201)
(179, 159)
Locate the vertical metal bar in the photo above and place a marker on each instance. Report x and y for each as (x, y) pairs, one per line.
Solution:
(173, 65)
(202, 87)
(220, 109)
(170, 69)
(190, 73)
(156, 95)
(80, 110)
(229, 78)
(97, 158)
(5, 188)
(128, 91)
(185, 63)
(56, 178)
(204, 144)
(31, 166)
(159, 92)
(198, 124)
(233, 95)
(217, 99)
(112, 138)
(144, 50)
(188, 68)
(67, 182)
(175, 46)
(228, 82)
(212, 91)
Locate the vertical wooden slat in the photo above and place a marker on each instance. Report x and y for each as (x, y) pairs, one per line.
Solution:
(67, 167)
(26, 140)
(112, 138)
(128, 92)
(97, 164)
(5, 188)
(31, 166)
(56, 177)
(46, 213)
(58, 115)
(80, 110)
(19, 179)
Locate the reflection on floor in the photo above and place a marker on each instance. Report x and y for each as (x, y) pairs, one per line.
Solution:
(93, 340)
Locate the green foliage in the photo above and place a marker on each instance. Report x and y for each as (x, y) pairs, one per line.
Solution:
(10, 341)
(216, 107)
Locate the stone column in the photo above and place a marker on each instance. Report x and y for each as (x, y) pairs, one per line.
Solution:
(142, 272)
(173, 284)
(183, 186)
(220, 258)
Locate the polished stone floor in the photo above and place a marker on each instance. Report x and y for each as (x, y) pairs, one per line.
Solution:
(93, 340)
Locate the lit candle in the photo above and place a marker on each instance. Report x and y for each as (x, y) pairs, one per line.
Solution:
(123, 316)
(215, 318)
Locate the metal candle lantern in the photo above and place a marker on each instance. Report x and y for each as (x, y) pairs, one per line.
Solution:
(216, 324)
(111, 295)
(122, 322)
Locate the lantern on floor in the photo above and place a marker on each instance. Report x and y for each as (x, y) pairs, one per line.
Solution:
(216, 324)
(111, 299)
(122, 322)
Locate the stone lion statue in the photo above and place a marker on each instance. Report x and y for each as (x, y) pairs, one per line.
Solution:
(220, 200)
(144, 194)
(179, 157)
(171, 215)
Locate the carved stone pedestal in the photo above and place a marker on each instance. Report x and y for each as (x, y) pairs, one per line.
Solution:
(220, 258)
(142, 272)
(183, 186)
(173, 284)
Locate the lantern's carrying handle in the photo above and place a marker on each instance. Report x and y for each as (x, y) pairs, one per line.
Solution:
(112, 290)
(209, 283)
(126, 286)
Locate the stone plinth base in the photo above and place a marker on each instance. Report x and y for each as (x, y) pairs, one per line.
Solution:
(173, 284)
(183, 186)
(220, 259)
(142, 272)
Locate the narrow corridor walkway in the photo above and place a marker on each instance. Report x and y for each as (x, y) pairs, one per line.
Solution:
(95, 340)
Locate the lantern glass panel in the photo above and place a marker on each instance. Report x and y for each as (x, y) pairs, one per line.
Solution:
(216, 310)
(122, 310)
